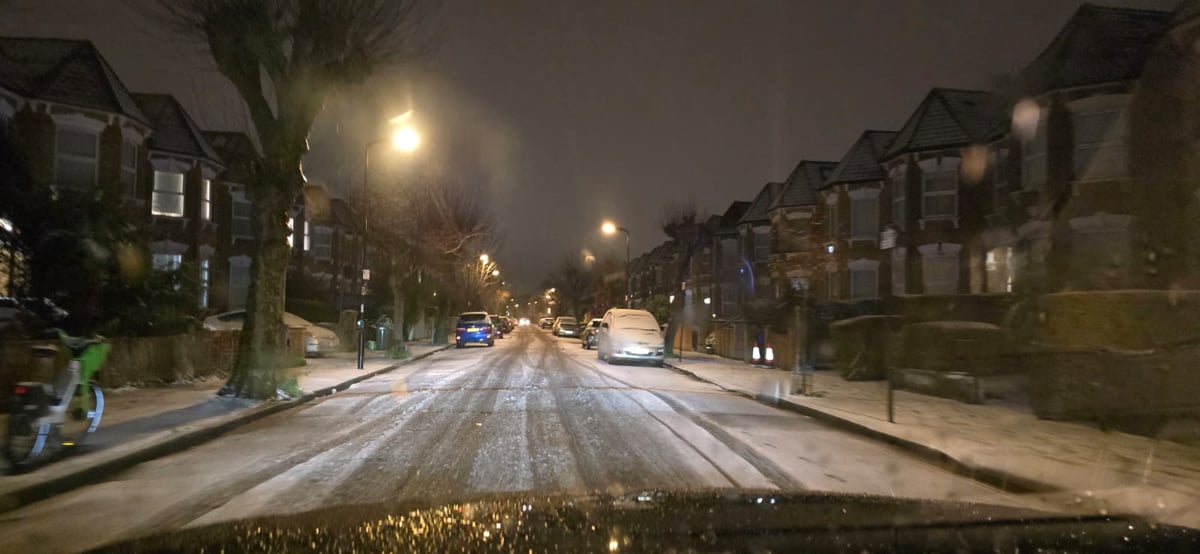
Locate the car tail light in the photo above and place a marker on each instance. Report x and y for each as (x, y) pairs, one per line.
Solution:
(461, 329)
(20, 389)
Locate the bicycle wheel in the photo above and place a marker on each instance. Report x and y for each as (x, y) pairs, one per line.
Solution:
(83, 415)
(26, 439)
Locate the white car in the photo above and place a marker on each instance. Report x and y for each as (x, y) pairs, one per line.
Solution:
(630, 335)
(317, 340)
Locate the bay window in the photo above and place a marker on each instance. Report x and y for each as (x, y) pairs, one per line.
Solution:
(239, 221)
(999, 268)
(129, 168)
(206, 200)
(323, 242)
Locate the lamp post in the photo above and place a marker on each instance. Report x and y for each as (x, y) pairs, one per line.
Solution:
(610, 228)
(405, 139)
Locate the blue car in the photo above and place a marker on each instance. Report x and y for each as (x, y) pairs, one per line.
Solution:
(474, 327)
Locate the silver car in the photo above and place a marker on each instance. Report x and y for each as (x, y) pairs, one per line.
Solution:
(630, 335)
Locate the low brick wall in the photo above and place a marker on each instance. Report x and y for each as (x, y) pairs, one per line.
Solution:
(132, 361)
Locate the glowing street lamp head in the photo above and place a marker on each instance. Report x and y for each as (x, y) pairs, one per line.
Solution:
(406, 139)
(608, 228)
(495, 273)
(483, 258)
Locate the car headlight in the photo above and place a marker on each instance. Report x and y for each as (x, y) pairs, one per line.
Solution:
(638, 350)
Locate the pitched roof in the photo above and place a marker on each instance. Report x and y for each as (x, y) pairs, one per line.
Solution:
(237, 151)
(1097, 45)
(864, 160)
(70, 72)
(948, 118)
(174, 130)
(800, 188)
(757, 212)
(729, 219)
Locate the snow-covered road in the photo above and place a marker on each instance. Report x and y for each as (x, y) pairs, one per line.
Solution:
(533, 414)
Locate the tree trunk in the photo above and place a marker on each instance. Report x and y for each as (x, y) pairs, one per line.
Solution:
(396, 280)
(262, 346)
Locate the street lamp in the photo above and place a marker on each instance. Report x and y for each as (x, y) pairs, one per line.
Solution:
(483, 258)
(610, 228)
(404, 139)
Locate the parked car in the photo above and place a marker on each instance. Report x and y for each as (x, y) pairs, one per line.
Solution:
(318, 340)
(474, 327)
(546, 322)
(27, 317)
(506, 324)
(591, 333)
(497, 325)
(565, 326)
(630, 335)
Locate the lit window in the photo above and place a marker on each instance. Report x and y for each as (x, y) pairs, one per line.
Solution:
(1100, 130)
(864, 214)
(206, 200)
(939, 268)
(899, 270)
(204, 284)
(307, 239)
(167, 262)
(939, 188)
(167, 198)
(999, 269)
(75, 159)
(899, 195)
(864, 279)
(129, 168)
(291, 235)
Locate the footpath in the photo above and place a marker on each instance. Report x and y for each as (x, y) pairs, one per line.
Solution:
(140, 424)
(1079, 467)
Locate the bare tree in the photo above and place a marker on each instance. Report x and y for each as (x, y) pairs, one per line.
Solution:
(434, 227)
(574, 283)
(682, 223)
(285, 57)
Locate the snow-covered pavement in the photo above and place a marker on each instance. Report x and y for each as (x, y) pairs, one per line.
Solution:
(533, 414)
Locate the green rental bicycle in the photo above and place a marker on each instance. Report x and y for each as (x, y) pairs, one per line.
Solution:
(47, 417)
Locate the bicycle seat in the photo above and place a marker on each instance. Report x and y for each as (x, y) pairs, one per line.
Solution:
(78, 345)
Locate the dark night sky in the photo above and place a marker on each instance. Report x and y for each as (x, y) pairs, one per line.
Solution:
(571, 112)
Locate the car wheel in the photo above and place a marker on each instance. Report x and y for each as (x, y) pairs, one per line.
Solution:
(491, 344)
(458, 345)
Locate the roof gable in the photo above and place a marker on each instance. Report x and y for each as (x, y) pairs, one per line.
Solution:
(733, 214)
(1097, 45)
(174, 130)
(949, 118)
(864, 160)
(70, 72)
(801, 186)
(757, 212)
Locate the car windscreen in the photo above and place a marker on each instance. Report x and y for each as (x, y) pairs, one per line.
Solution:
(636, 321)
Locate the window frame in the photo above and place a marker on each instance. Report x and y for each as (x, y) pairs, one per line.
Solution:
(59, 156)
(206, 200)
(861, 266)
(937, 167)
(899, 269)
(204, 281)
(238, 198)
(897, 180)
(1035, 155)
(129, 173)
(940, 252)
(1117, 106)
(858, 196)
(325, 231)
(182, 194)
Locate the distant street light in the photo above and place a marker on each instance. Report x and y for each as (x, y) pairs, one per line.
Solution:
(407, 140)
(495, 273)
(483, 258)
(610, 228)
